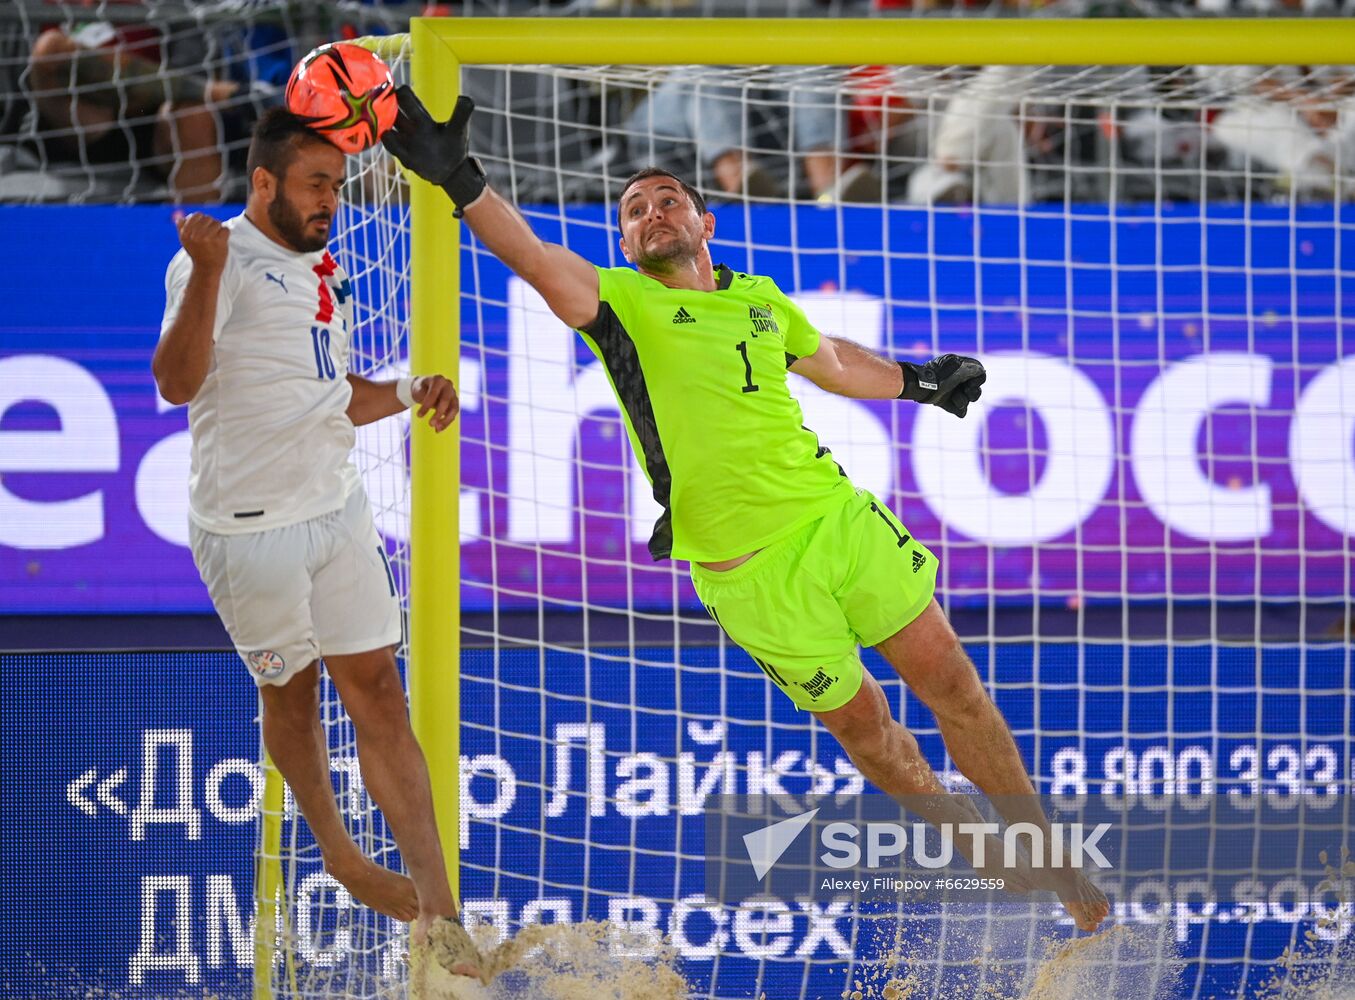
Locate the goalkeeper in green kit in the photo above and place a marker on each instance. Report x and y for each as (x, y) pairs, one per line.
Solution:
(797, 565)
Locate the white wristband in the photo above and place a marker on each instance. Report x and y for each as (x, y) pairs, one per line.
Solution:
(404, 389)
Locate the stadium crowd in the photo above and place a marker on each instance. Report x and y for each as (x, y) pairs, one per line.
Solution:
(155, 101)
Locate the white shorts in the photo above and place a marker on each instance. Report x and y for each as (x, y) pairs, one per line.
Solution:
(289, 595)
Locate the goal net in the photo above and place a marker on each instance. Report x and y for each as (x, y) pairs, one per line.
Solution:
(1144, 529)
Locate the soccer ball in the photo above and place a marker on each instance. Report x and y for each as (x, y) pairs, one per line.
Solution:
(345, 93)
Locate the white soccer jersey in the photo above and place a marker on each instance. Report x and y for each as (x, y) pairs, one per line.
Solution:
(271, 435)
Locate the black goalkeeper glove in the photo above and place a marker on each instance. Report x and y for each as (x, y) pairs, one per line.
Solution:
(439, 152)
(951, 382)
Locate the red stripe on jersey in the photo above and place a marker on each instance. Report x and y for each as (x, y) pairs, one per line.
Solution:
(323, 270)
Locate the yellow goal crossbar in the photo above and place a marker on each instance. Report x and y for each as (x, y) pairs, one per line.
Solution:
(655, 41)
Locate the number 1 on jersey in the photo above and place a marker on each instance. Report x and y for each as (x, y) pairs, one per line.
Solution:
(324, 362)
(748, 384)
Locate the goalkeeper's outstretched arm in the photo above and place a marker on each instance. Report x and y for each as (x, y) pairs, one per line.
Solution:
(951, 381)
(439, 152)
(567, 282)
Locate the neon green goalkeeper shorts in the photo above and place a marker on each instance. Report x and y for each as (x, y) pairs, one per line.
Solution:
(801, 606)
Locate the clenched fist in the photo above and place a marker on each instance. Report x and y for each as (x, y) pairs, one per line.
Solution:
(206, 240)
(951, 382)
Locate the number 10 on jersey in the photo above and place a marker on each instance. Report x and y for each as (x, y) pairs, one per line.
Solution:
(324, 361)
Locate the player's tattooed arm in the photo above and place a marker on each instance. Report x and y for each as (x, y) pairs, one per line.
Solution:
(184, 355)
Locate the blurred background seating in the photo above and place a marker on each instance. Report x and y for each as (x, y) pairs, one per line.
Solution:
(121, 101)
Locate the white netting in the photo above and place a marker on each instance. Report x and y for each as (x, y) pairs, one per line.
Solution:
(330, 945)
(1144, 536)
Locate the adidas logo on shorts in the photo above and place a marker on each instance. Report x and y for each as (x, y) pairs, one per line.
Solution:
(919, 560)
(683, 316)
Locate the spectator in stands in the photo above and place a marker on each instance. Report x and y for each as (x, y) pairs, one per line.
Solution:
(729, 124)
(13, 53)
(106, 95)
(887, 121)
(1297, 122)
(978, 149)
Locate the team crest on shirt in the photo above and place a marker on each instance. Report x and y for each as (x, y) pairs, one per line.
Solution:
(266, 663)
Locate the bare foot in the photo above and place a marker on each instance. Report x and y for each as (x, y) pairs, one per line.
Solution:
(1083, 900)
(451, 946)
(1081, 897)
(380, 888)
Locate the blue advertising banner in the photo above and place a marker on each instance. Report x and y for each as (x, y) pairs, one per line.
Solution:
(1168, 413)
(132, 790)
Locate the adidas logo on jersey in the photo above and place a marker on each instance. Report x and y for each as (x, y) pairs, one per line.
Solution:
(919, 560)
(683, 316)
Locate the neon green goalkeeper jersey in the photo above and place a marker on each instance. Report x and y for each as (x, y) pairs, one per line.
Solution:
(701, 379)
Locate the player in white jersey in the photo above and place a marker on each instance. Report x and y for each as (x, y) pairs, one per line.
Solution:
(256, 341)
